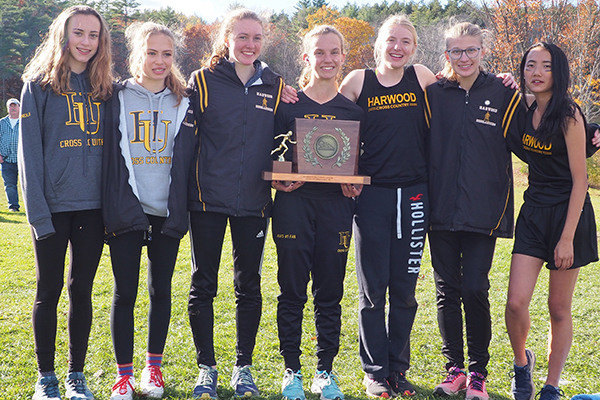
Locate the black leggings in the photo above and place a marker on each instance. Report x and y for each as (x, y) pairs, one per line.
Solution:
(125, 255)
(84, 231)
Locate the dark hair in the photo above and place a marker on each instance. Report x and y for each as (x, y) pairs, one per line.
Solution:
(561, 107)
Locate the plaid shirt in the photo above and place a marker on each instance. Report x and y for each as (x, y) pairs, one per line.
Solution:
(9, 140)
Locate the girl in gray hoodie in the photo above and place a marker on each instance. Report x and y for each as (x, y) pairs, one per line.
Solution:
(59, 156)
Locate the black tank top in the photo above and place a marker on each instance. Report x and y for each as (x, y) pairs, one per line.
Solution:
(550, 181)
(393, 152)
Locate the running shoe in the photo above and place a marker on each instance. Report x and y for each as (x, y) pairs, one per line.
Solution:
(206, 384)
(291, 385)
(400, 385)
(377, 387)
(327, 385)
(242, 382)
(455, 382)
(46, 388)
(522, 385)
(152, 384)
(549, 392)
(124, 388)
(77, 388)
(476, 387)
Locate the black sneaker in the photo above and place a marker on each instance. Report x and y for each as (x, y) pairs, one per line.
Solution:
(377, 387)
(549, 392)
(399, 385)
(522, 385)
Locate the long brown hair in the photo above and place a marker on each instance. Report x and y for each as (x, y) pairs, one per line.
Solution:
(220, 51)
(137, 42)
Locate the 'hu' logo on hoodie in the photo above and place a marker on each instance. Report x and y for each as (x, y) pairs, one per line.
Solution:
(85, 115)
(142, 131)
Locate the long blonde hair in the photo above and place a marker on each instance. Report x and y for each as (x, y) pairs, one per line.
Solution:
(220, 51)
(50, 62)
(391, 21)
(459, 30)
(307, 44)
(137, 42)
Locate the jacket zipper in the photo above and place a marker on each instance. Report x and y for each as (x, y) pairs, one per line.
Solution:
(239, 193)
(462, 135)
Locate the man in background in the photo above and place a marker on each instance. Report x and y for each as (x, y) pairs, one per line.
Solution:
(9, 138)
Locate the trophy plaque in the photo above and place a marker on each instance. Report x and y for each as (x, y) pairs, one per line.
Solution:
(324, 151)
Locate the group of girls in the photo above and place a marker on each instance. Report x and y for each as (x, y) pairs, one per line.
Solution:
(128, 161)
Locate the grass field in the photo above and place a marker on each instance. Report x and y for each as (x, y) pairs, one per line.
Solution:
(17, 360)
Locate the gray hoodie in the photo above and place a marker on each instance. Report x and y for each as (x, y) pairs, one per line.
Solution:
(60, 151)
(148, 156)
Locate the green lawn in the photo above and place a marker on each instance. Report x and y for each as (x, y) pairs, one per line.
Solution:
(18, 368)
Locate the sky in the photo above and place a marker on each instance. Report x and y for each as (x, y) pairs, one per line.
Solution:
(210, 10)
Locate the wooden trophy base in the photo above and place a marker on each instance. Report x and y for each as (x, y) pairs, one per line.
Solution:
(293, 177)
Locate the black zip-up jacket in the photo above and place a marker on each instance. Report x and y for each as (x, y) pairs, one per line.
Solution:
(235, 139)
(121, 209)
(470, 167)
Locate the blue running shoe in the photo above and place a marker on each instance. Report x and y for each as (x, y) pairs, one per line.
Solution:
(291, 386)
(522, 385)
(46, 388)
(326, 384)
(77, 388)
(242, 382)
(206, 384)
(549, 392)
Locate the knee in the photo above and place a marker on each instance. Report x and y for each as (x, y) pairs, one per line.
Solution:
(559, 312)
(515, 305)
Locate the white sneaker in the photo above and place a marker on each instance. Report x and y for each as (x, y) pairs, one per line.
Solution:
(152, 384)
(124, 388)
(76, 387)
(46, 388)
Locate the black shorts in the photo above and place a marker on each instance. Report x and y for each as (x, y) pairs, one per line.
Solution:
(539, 229)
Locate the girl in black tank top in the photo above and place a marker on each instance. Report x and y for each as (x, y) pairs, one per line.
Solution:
(391, 215)
(556, 223)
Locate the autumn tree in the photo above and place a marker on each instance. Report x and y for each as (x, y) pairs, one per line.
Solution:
(197, 47)
(574, 25)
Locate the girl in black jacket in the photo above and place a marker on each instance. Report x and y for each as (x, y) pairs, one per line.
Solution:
(471, 200)
(234, 98)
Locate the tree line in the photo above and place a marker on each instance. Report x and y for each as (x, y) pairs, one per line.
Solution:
(513, 25)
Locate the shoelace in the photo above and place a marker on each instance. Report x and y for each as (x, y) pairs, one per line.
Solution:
(156, 376)
(245, 376)
(205, 377)
(552, 389)
(51, 388)
(122, 384)
(79, 385)
(295, 380)
(399, 376)
(476, 381)
(521, 376)
(453, 373)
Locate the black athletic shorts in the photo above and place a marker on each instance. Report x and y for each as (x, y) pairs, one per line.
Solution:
(539, 229)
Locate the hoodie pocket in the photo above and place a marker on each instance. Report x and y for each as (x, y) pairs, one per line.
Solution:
(76, 182)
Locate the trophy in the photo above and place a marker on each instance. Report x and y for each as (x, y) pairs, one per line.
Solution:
(324, 151)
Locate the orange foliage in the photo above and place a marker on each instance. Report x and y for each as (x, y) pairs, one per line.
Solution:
(574, 25)
(197, 42)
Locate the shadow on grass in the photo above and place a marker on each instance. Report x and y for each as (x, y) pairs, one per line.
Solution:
(3, 218)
